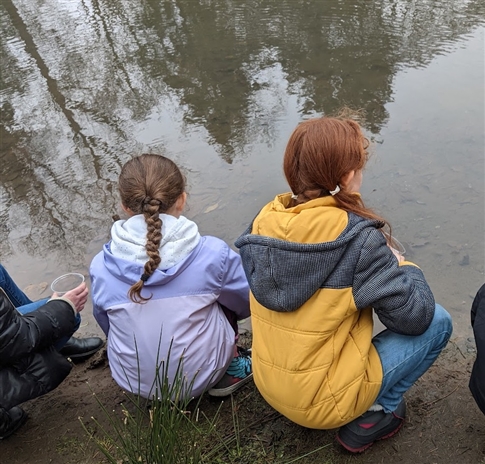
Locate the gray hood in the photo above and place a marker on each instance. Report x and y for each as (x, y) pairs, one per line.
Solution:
(283, 275)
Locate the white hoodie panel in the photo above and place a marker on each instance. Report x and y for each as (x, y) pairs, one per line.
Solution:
(179, 238)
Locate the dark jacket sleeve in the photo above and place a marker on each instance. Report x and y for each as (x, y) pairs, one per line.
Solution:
(21, 335)
(399, 294)
(477, 379)
(31, 376)
(30, 366)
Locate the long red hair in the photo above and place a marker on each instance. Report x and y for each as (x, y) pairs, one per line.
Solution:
(319, 154)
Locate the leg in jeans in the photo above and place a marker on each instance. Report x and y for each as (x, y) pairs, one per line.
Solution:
(24, 305)
(32, 306)
(16, 296)
(405, 358)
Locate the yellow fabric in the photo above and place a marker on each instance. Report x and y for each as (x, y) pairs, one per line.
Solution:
(408, 263)
(316, 365)
(309, 220)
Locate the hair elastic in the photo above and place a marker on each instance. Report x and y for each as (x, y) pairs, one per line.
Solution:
(334, 192)
(151, 201)
(144, 277)
(294, 197)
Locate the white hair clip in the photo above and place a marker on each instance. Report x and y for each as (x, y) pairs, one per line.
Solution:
(334, 192)
(294, 197)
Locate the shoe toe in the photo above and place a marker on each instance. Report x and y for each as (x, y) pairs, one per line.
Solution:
(17, 417)
(81, 348)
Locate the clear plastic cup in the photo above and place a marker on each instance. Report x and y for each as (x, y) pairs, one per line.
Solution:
(394, 244)
(67, 282)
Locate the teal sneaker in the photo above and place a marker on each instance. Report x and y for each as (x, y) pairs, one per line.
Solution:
(238, 374)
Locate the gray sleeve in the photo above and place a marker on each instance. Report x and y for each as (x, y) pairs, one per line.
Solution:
(399, 295)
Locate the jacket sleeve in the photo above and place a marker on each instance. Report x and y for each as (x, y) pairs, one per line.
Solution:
(101, 317)
(235, 288)
(398, 292)
(21, 335)
(478, 308)
(98, 288)
(32, 376)
(477, 378)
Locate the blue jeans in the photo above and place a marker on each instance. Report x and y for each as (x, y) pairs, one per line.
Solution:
(405, 358)
(24, 305)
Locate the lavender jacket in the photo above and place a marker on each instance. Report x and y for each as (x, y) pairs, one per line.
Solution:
(183, 317)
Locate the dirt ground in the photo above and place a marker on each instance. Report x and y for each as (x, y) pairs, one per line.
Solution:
(443, 426)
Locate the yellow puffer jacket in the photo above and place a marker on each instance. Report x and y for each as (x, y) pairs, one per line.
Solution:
(315, 272)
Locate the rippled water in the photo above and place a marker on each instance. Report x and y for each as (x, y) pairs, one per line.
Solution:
(218, 86)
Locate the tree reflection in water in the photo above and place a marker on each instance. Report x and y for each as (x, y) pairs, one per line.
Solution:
(79, 78)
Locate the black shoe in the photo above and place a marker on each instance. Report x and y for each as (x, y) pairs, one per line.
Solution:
(80, 349)
(362, 432)
(11, 421)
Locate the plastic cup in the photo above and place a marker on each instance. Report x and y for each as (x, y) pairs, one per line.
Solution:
(67, 282)
(394, 244)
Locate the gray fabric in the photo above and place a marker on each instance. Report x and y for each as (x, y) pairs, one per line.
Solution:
(283, 275)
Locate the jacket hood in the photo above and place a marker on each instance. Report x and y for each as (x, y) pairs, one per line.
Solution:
(284, 272)
(179, 237)
(125, 255)
(130, 271)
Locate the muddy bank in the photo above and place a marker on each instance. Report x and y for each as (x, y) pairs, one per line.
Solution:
(444, 426)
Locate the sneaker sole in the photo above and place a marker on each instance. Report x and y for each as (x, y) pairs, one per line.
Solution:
(231, 389)
(368, 445)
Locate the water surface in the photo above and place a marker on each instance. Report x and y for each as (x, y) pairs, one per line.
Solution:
(218, 86)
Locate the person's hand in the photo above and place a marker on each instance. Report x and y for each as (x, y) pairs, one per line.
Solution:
(77, 296)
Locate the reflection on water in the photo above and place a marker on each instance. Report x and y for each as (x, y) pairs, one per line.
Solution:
(218, 86)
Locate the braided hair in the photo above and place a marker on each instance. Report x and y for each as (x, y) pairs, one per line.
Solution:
(150, 185)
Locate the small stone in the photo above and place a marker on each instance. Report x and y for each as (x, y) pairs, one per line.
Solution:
(35, 291)
(465, 261)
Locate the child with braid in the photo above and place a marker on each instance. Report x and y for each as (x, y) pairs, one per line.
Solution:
(161, 290)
